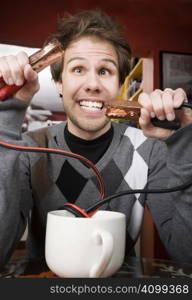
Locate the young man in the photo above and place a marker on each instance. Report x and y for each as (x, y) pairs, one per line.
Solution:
(95, 64)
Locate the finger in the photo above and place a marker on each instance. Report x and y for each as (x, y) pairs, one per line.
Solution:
(157, 104)
(149, 130)
(5, 71)
(145, 101)
(171, 91)
(30, 74)
(179, 97)
(159, 91)
(167, 98)
(16, 70)
(22, 59)
(145, 119)
(31, 84)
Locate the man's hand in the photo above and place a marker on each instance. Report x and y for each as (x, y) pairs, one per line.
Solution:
(163, 105)
(17, 70)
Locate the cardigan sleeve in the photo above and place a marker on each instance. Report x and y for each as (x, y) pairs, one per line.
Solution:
(171, 166)
(15, 192)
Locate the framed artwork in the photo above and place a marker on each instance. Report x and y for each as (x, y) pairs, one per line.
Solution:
(176, 71)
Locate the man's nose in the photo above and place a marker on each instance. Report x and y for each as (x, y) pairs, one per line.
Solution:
(93, 82)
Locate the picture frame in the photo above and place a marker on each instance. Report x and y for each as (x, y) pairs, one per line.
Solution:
(176, 71)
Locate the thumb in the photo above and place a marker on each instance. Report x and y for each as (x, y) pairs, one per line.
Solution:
(149, 130)
(31, 85)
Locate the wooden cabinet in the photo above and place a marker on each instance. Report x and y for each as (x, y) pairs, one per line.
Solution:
(132, 86)
(139, 79)
(150, 243)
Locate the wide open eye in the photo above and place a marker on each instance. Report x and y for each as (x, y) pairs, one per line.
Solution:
(78, 70)
(104, 71)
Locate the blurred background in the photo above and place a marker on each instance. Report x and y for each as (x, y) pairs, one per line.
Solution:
(152, 27)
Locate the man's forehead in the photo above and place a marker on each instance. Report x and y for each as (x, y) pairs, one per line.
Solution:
(90, 46)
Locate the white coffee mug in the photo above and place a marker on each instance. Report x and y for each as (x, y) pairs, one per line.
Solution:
(85, 247)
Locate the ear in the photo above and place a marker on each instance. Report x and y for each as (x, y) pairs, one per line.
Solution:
(59, 88)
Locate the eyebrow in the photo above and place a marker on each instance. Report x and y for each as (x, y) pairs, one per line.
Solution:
(104, 59)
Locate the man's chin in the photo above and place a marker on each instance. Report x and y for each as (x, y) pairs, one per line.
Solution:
(93, 128)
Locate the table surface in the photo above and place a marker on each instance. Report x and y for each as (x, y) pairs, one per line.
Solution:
(135, 267)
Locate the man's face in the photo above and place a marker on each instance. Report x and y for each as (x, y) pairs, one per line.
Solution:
(90, 79)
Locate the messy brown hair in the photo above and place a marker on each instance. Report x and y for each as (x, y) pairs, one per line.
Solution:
(95, 23)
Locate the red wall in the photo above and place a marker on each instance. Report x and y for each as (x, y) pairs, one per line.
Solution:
(151, 25)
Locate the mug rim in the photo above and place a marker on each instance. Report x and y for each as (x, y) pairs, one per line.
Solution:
(101, 214)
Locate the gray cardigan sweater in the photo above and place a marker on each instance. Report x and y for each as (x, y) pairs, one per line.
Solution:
(28, 188)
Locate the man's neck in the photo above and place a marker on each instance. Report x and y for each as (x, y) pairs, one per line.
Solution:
(87, 135)
(91, 149)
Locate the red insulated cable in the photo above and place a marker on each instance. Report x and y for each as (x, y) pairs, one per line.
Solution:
(61, 152)
(7, 90)
(79, 209)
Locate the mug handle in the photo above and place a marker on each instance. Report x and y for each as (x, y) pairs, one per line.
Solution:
(105, 239)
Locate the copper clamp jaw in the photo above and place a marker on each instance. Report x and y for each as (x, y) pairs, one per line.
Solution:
(49, 54)
(131, 111)
(127, 111)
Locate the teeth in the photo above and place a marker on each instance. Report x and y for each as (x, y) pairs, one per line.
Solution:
(91, 104)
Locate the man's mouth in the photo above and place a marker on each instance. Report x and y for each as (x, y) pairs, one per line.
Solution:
(91, 105)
